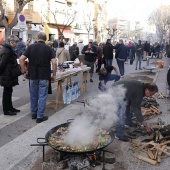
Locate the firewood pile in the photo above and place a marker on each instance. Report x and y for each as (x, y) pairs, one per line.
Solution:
(149, 108)
(160, 96)
(157, 146)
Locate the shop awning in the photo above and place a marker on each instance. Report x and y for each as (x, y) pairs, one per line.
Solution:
(51, 30)
(68, 34)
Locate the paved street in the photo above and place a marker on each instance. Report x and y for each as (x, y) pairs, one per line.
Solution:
(18, 132)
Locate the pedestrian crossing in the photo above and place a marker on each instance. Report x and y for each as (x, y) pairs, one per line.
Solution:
(12, 153)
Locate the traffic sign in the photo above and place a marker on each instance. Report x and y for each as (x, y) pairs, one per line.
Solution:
(22, 21)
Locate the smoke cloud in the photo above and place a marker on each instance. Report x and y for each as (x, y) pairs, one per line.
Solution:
(100, 111)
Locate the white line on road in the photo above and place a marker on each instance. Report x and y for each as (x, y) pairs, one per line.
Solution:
(15, 151)
(6, 120)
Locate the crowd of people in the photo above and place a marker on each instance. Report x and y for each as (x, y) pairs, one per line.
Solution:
(97, 56)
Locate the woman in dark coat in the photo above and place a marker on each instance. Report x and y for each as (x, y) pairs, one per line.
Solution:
(8, 58)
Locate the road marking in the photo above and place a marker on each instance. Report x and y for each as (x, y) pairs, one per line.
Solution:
(16, 150)
(6, 120)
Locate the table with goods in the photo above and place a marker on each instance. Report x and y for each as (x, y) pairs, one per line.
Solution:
(72, 90)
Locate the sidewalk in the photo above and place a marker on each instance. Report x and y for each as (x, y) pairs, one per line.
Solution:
(22, 156)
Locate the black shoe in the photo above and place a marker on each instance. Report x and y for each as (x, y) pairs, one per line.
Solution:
(140, 68)
(39, 120)
(10, 113)
(34, 116)
(135, 68)
(15, 110)
(123, 138)
(91, 80)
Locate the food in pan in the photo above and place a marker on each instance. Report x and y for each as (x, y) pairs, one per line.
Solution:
(56, 140)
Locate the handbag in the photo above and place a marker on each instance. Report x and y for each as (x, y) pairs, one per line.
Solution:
(15, 70)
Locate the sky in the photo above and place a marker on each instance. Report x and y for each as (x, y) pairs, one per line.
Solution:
(133, 9)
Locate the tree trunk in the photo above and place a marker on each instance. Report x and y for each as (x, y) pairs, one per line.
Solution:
(7, 32)
(88, 35)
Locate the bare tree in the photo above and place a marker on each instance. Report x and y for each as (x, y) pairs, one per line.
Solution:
(161, 19)
(68, 17)
(88, 22)
(4, 18)
(112, 27)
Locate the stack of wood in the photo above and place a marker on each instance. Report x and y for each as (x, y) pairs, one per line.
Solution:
(157, 148)
(149, 108)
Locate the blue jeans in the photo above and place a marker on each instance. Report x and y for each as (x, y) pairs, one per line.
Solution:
(123, 118)
(108, 62)
(38, 96)
(109, 77)
(121, 67)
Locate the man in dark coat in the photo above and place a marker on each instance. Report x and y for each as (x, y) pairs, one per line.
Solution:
(108, 52)
(146, 49)
(90, 52)
(135, 91)
(74, 51)
(8, 59)
(121, 54)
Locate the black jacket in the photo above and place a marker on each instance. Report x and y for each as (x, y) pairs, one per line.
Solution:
(8, 58)
(108, 51)
(91, 57)
(74, 52)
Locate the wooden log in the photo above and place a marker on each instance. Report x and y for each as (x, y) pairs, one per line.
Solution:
(160, 153)
(150, 153)
(148, 160)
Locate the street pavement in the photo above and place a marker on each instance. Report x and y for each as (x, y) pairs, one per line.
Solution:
(17, 154)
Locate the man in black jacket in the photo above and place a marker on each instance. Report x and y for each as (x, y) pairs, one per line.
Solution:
(108, 52)
(135, 91)
(90, 52)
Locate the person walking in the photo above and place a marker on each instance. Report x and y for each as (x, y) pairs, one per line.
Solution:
(108, 52)
(135, 91)
(40, 57)
(74, 51)
(8, 59)
(139, 51)
(121, 56)
(62, 54)
(80, 45)
(90, 52)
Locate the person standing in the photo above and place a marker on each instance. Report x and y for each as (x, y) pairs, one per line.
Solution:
(99, 58)
(135, 91)
(121, 56)
(139, 51)
(146, 49)
(62, 54)
(90, 52)
(8, 59)
(74, 51)
(108, 52)
(21, 47)
(40, 57)
(80, 45)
